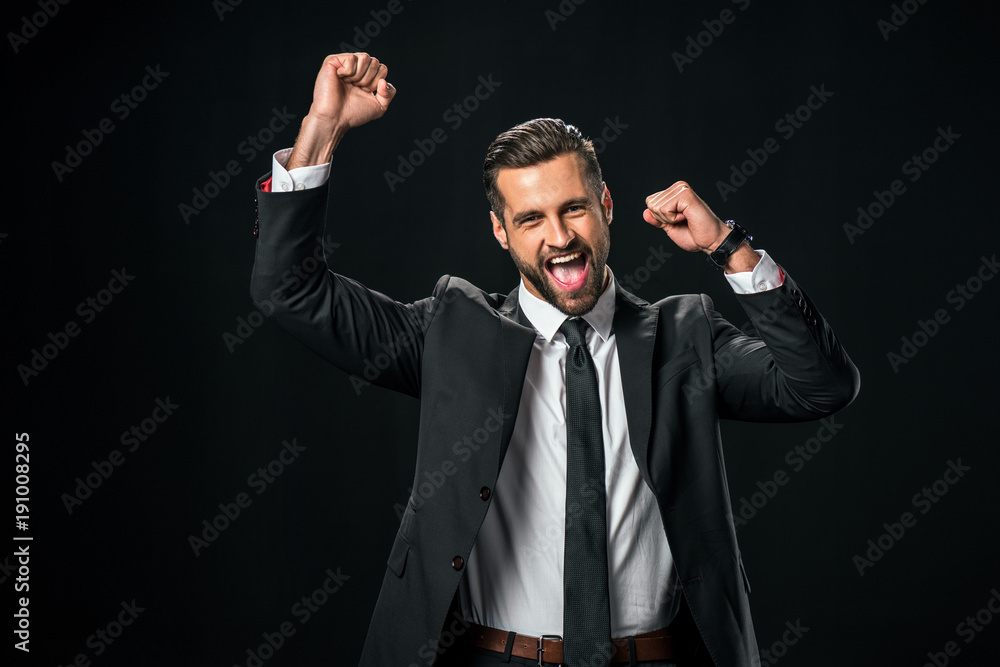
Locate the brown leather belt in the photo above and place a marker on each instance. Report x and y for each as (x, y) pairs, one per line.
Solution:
(655, 645)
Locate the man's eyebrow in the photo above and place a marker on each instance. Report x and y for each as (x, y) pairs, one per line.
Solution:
(575, 201)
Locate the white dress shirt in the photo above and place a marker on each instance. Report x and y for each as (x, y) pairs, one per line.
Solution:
(514, 575)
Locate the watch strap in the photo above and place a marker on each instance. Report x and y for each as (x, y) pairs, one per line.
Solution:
(720, 255)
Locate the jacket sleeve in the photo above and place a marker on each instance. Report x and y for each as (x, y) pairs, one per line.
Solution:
(795, 370)
(361, 331)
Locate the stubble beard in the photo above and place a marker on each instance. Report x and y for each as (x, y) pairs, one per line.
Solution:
(585, 298)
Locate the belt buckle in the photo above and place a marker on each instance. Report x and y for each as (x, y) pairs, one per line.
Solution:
(542, 650)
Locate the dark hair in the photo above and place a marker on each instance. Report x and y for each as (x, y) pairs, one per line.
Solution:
(534, 142)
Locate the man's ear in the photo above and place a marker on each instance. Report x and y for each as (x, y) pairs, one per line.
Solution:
(499, 231)
(606, 202)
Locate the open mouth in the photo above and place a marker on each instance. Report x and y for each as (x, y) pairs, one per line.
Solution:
(568, 271)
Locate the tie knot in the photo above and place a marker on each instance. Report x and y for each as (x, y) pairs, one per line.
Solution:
(575, 331)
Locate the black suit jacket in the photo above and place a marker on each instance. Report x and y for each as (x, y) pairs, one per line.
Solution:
(464, 353)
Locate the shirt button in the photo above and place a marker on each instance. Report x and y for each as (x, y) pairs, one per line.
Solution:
(761, 286)
(300, 186)
(458, 562)
(285, 186)
(484, 493)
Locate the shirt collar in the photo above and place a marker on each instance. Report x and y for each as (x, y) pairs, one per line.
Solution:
(547, 319)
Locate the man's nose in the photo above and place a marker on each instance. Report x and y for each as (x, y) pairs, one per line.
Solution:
(559, 235)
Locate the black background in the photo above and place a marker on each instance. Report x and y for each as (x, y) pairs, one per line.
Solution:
(163, 335)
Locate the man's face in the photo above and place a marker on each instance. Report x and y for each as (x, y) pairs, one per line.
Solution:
(556, 231)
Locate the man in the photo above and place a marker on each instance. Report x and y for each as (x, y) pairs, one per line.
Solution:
(584, 516)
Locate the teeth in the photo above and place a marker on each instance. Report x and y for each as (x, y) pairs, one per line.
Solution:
(565, 258)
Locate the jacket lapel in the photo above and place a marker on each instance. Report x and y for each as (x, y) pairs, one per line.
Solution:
(518, 336)
(635, 335)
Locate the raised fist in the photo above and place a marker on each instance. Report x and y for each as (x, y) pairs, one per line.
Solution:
(686, 219)
(351, 90)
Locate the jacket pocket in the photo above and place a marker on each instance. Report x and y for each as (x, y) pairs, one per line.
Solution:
(397, 557)
(687, 358)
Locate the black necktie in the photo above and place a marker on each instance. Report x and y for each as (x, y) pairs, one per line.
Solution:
(586, 601)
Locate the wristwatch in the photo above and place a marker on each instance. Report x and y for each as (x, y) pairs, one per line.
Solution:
(720, 256)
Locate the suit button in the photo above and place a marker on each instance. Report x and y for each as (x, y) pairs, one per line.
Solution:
(802, 303)
(812, 321)
(794, 292)
(484, 493)
(458, 562)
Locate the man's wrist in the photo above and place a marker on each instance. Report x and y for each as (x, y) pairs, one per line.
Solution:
(318, 137)
(743, 259)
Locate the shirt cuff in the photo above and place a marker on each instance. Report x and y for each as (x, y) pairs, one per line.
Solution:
(300, 178)
(765, 276)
